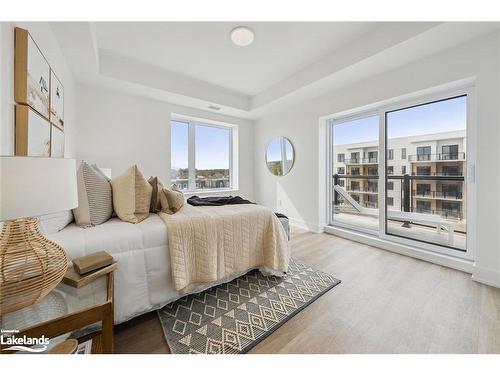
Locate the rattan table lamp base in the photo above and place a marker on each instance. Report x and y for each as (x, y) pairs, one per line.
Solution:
(30, 264)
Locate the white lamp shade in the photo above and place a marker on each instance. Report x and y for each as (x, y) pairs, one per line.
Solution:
(32, 186)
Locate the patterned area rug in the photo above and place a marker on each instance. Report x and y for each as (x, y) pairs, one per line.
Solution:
(234, 317)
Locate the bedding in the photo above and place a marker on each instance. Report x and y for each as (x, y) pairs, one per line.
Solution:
(157, 187)
(143, 279)
(211, 243)
(95, 205)
(171, 200)
(53, 223)
(131, 195)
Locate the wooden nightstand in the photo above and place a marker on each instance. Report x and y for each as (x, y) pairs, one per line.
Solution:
(65, 310)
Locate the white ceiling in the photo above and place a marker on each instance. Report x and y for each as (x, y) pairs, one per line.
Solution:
(196, 65)
(203, 50)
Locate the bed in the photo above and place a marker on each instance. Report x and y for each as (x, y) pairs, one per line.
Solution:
(143, 280)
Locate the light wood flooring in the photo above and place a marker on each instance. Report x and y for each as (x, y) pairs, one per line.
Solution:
(386, 303)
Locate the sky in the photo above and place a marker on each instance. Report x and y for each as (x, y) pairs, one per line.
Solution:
(273, 151)
(212, 146)
(448, 115)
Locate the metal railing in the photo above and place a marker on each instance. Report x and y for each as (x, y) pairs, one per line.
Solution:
(406, 191)
(361, 161)
(437, 157)
(452, 214)
(437, 194)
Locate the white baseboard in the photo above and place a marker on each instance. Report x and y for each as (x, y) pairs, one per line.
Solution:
(486, 276)
(443, 260)
(305, 225)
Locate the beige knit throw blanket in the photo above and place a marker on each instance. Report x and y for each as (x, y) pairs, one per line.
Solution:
(213, 243)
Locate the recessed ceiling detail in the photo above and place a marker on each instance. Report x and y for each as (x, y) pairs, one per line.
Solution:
(195, 64)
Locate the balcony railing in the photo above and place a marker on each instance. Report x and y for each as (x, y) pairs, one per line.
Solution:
(451, 214)
(437, 194)
(361, 161)
(439, 174)
(360, 189)
(406, 192)
(453, 156)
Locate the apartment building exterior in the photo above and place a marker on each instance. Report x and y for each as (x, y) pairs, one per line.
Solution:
(439, 159)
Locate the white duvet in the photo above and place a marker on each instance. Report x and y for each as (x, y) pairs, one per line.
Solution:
(143, 280)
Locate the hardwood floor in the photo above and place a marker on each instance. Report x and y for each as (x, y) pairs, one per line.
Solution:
(386, 303)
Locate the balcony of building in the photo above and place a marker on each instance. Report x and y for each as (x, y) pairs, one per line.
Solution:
(456, 156)
(361, 161)
(439, 194)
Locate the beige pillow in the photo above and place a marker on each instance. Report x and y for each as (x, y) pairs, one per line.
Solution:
(171, 200)
(131, 195)
(157, 186)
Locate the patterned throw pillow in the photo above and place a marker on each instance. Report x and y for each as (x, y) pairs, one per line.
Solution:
(131, 195)
(171, 200)
(95, 204)
(157, 186)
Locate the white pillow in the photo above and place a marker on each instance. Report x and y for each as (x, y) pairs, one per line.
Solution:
(53, 223)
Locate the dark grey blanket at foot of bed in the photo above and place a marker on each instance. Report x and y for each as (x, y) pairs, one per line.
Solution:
(222, 201)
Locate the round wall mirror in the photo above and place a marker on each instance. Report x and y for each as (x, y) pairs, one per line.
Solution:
(280, 156)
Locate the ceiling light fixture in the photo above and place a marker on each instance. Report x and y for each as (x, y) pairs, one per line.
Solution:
(242, 36)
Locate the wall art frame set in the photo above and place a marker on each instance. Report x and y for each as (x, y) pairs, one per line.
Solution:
(39, 96)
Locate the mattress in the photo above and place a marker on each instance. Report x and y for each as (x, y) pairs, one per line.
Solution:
(143, 277)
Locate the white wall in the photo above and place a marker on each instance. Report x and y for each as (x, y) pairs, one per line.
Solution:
(43, 36)
(300, 192)
(117, 130)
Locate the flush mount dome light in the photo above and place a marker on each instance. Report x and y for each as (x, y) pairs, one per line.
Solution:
(242, 36)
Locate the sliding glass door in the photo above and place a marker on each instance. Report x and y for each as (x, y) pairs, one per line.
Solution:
(412, 186)
(355, 150)
(432, 199)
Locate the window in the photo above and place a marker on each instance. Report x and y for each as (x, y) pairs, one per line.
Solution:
(424, 153)
(344, 134)
(449, 152)
(340, 158)
(372, 186)
(428, 137)
(424, 207)
(423, 189)
(179, 139)
(450, 191)
(340, 170)
(423, 193)
(423, 171)
(451, 209)
(201, 155)
(371, 201)
(450, 170)
(372, 157)
(342, 183)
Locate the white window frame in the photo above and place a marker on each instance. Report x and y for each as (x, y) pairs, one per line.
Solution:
(380, 109)
(192, 122)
